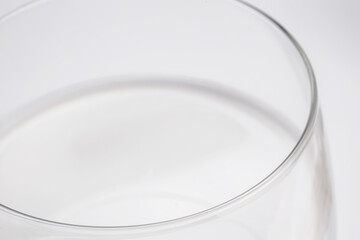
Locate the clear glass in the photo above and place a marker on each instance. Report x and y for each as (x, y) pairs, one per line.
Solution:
(158, 119)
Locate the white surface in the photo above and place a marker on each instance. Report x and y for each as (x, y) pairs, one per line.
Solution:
(329, 31)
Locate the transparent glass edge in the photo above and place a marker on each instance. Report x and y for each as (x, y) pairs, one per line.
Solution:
(280, 170)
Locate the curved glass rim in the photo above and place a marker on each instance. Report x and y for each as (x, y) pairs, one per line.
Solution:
(283, 166)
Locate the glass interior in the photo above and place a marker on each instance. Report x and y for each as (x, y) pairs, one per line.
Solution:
(118, 115)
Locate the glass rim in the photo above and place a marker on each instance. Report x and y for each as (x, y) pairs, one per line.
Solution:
(273, 175)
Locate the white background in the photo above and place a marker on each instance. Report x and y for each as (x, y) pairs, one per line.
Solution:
(329, 31)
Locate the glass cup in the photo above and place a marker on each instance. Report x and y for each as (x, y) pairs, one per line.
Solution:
(158, 119)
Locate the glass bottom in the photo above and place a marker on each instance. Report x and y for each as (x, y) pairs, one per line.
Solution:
(137, 151)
